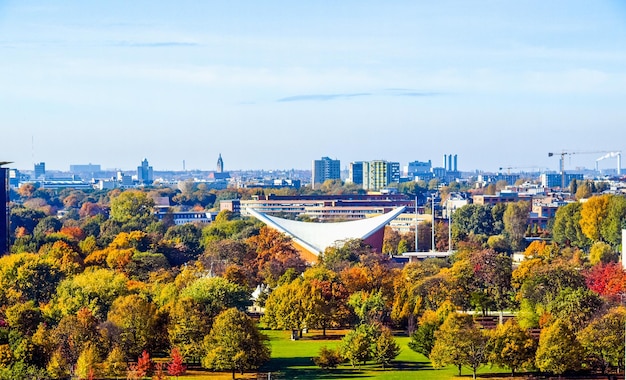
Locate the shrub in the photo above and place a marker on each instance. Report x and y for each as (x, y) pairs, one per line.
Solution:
(328, 358)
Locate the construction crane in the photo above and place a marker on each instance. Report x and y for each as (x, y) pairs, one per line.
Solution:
(611, 155)
(562, 162)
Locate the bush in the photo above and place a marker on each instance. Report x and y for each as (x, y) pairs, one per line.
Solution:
(328, 358)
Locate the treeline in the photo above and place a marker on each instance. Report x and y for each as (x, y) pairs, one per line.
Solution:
(90, 293)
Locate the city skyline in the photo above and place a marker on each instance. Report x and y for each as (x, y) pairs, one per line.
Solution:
(276, 85)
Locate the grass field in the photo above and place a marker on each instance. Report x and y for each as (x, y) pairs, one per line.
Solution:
(293, 360)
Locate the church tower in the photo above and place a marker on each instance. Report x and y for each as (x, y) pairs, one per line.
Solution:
(220, 164)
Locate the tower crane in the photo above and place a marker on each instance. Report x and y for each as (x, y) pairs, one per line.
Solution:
(610, 155)
(562, 161)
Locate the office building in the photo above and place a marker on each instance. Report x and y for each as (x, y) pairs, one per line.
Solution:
(40, 170)
(323, 170)
(355, 174)
(144, 173)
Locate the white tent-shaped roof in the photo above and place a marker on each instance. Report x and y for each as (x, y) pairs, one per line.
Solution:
(316, 237)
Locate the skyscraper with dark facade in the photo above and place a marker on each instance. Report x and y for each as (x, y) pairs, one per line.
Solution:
(144, 173)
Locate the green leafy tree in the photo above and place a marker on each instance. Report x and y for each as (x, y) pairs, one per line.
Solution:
(423, 339)
(385, 349)
(357, 345)
(235, 343)
(516, 222)
(133, 208)
(567, 229)
(615, 221)
(460, 341)
(558, 350)
(216, 294)
(603, 340)
(512, 346)
(287, 307)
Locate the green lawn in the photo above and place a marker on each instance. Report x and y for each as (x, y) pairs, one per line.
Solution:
(293, 360)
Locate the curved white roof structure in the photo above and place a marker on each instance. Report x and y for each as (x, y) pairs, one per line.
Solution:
(316, 237)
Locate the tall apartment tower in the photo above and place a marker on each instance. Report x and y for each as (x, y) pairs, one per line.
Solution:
(40, 170)
(144, 173)
(375, 175)
(220, 164)
(4, 218)
(323, 170)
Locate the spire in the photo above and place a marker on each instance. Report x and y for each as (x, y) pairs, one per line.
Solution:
(220, 164)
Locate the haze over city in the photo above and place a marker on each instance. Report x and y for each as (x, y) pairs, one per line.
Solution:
(277, 84)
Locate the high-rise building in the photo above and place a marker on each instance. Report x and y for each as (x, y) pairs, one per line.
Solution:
(375, 175)
(419, 169)
(220, 164)
(355, 174)
(40, 170)
(325, 169)
(4, 200)
(144, 173)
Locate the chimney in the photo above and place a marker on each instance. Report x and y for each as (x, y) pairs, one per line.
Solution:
(445, 161)
(450, 162)
(455, 159)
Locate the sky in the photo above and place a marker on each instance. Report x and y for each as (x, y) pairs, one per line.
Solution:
(277, 84)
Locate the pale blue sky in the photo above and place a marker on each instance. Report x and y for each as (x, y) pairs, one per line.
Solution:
(276, 84)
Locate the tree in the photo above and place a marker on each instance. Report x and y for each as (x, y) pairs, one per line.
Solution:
(139, 323)
(327, 358)
(133, 208)
(615, 221)
(235, 343)
(567, 229)
(558, 349)
(606, 279)
(275, 254)
(287, 307)
(592, 215)
(144, 364)
(515, 222)
(216, 294)
(603, 339)
(87, 361)
(423, 339)
(176, 366)
(511, 346)
(386, 349)
(115, 363)
(460, 341)
(356, 346)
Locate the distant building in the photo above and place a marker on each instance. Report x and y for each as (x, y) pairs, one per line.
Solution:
(88, 168)
(40, 170)
(355, 174)
(323, 170)
(144, 173)
(554, 179)
(220, 164)
(379, 174)
(419, 169)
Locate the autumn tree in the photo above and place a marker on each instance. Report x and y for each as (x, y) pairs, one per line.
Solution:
(603, 340)
(460, 341)
(235, 343)
(357, 345)
(592, 214)
(515, 222)
(287, 307)
(141, 326)
(558, 350)
(275, 254)
(132, 208)
(511, 346)
(176, 366)
(423, 339)
(385, 348)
